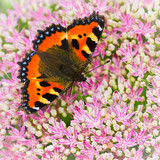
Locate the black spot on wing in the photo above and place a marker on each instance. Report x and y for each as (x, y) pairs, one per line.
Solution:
(42, 76)
(39, 104)
(85, 54)
(75, 43)
(44, 84)
(91, 44)
(97, 32)
(57, 89)
(80, 36)
(49, 97)
(65, 44)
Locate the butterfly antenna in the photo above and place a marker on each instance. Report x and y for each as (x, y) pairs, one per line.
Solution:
(82, 94)
(98, 66)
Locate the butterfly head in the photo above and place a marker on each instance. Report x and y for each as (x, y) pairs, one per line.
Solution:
(79, 77)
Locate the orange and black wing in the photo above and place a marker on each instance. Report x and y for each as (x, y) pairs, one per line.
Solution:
(38, 89)
(43, 84)
(83, 36)
(59, 54)
(54, 35)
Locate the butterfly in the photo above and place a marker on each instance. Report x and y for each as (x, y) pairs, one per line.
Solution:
(61, 55)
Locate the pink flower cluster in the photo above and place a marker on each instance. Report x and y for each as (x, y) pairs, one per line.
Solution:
(121, 117)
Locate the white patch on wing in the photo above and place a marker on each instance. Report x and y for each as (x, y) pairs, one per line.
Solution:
(99, 27)
(36, 108)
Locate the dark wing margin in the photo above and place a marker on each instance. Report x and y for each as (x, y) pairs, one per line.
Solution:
(54, 35)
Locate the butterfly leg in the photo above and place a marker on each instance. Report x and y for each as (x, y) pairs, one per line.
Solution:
(70, 91)
(82, 94)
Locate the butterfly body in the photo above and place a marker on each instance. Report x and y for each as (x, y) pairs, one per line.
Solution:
(63, 65)
(60, 56)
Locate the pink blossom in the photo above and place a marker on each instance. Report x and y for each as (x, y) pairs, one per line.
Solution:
(157, 148)
(149, 124)
(57, 129)
(40, 118)
(39, 14)
(79, 8)
(100, 49)
(5, 122)
(140, 137)
(71, 139)
(17, 135)
(127, 23)
(102, 5)
(10, 21)
(79, 114)
(121, 114)
(125, 142)
(103, 138)
(69, 97)
(120, 99)
(155, 112)
(90, 151)
(158, 39)
(154, 93)
(137, 156)
(113, 34)
(117, 68)
(128, 53)
(134, 95)
(52, 155)
(31, 143)
(144, 29)
(90, 86)
(116, 99)
(141, 45)
(96, 104)
(96, 120)
(138, 70)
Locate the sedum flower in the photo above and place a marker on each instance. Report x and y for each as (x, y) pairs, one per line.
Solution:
(121, 114)
(116, 116)
(137, 155)
(125, 142)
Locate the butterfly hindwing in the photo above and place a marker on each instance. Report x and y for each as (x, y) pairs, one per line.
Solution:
(38, 93)
(39, 87)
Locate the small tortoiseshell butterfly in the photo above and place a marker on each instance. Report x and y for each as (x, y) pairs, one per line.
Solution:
(61, 55)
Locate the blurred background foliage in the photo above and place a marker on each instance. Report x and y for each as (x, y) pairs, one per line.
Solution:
(5, 4)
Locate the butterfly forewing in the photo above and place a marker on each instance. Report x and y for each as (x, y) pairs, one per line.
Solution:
(83, 36)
